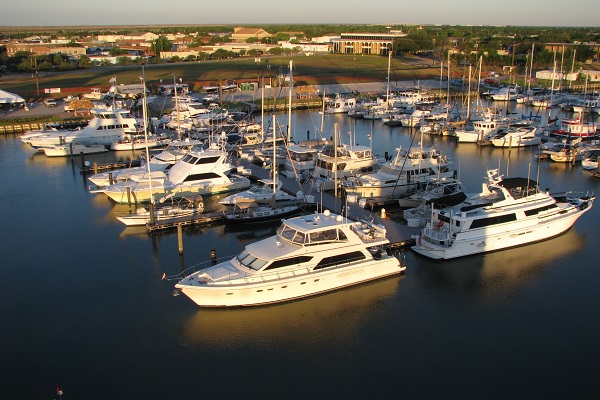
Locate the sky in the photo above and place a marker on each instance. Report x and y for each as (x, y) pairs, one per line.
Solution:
(256, 12)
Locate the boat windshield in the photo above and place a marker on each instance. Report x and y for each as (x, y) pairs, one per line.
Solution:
(249, 261)
(291, 235)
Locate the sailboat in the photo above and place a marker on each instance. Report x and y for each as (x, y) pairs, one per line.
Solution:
(257, 204)
(142, 216)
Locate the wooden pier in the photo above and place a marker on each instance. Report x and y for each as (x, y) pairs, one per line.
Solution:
(96, 168)
(399, 234)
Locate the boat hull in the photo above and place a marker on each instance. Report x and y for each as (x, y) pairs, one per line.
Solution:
(138, 194)
(277, 288)
(500, 238)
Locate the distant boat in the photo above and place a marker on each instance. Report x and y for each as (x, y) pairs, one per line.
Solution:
(64, 150)
(107, 125)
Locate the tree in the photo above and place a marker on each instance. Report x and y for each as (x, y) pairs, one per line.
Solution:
(160, 44)
(84, 62)
(252, 39)
(117, 51)
(123, 60)
(276, 51)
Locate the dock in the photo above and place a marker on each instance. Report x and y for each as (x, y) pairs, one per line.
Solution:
(399, 234)
(96, 168)
(185, 221)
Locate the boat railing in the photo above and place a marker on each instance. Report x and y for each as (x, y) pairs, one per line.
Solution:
(268, 276)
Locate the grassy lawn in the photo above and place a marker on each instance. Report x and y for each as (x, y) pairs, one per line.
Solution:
(312, 70)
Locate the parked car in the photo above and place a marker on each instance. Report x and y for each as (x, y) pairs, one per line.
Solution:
(50, 102)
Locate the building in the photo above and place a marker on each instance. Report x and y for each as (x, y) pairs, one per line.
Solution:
(39, 49)
(365, 43)
(242, 34)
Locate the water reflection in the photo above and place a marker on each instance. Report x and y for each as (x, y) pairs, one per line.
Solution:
(495, 274)
(342, 312)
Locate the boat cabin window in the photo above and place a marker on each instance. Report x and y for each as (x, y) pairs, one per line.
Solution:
(286, 262)
(340, 259)
(538, 210)
(326, 236)
(249, 261)
(199, 177)
(500, 219)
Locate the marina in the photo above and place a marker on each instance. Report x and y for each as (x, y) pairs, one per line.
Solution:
(528, 312)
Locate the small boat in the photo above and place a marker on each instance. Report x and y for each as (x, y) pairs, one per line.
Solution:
(142, 215)
(308, 255)
(140, 143)
(264, 189)
(68, 149)
(258, 211)
(508, 212)
(590, 159)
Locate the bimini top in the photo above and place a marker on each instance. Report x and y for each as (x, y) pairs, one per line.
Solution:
(514, 183)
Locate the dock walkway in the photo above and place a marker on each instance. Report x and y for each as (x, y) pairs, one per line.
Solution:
(398, 232)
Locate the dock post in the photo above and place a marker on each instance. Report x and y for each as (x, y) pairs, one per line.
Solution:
(95, 167)
(71, 149)
(307, 135)
(151, 209)
(180, 239)
(110, 178)
(213, 256)
(129, 197)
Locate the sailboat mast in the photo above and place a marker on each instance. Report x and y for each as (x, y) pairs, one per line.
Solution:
(145, 116)
(531, 67)
(274, 149)
(289, 127)
(177, 107)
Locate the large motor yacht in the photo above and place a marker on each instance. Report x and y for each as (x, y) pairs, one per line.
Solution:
(200, 172)
(508, 212)
(159, 163)
(401, 176)
(308, 255)
(106, 126)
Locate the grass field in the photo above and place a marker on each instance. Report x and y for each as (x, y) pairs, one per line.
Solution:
(311, 70)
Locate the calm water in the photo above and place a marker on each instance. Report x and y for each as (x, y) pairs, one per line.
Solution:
(83, 305)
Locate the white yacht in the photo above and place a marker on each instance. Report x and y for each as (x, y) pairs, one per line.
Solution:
(302, 157)
(518, 137)
(508, 212)
(477, 130)
(340, 105)
(69, 149)
(505, 94)
(159, 163)
(200, 172)
(107, 125)
(350, 161)
(400, 176)
(309, 255)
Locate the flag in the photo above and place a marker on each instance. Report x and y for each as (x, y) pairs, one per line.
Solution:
(113, 79)
(164, 276)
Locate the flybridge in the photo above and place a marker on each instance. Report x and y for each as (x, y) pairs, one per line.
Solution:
(128, 90)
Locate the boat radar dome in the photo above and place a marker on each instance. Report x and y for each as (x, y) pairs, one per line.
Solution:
(327, 213)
